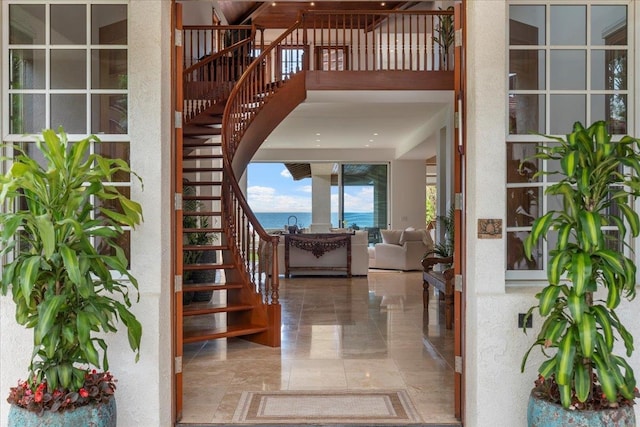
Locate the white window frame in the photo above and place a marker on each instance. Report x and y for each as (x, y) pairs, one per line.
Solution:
(47, 91)
(526, 277)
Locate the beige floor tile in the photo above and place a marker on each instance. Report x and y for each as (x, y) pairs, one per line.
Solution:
(337, 334)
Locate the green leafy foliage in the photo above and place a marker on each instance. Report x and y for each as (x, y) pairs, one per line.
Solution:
(65, 289)
(598, 183)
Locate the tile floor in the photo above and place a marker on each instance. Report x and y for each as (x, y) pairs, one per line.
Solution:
(337, 333)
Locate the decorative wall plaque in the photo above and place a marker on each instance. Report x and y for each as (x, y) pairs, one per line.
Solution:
(489, 228)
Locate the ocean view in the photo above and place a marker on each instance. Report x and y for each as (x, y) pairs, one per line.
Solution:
(280, 219)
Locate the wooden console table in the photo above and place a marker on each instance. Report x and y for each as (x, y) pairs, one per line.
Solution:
(443, 282)
(317, 244)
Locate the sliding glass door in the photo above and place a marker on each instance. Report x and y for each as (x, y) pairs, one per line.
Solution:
(362, 194)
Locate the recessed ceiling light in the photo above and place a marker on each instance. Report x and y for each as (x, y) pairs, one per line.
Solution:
(375, 134)
(273, 4)
(371, 140)
(313, 3)
(318, 134)
(383, 4)
(317, 145)
(366, 145)
(317, 140)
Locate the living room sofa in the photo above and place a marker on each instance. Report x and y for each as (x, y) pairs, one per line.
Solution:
(400, 249)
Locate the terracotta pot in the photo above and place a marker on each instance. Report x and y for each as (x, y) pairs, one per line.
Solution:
(541, 413)
(96, 415)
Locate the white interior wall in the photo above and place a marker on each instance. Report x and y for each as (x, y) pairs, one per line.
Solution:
(496, 391)
(407, 194)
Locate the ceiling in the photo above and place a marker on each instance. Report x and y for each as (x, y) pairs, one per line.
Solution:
(404, 121)
(281, 14)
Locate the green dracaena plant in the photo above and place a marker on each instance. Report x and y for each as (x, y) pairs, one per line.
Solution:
(64, 288)
(598, 183)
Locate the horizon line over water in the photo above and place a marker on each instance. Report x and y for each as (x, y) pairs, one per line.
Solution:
(277, 220)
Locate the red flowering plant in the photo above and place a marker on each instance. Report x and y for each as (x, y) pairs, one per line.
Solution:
(98, 388)
(63, 236)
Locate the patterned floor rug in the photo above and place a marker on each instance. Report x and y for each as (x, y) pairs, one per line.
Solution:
(307, 407)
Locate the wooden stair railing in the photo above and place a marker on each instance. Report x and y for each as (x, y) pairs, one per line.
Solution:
(222, 295)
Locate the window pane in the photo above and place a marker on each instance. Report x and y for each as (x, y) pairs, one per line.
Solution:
(68, 24)
(609, 25)
(68, 69)
(124, 241)
(27, 69)
(521, 166)
(109, 114)
(364, 193)
(109, 24)
(115, 150)
(527, 25)
(109, 69)
(522, 205)
(515, 252)
(526, 69)
(568, 25)
(565, 110)
(526, 113)
(26, 24)
(568, 69)
(70, 112)
(609, 69)
(611, 108)
(27, 113)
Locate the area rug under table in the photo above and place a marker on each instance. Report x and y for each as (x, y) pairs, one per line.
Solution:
(306, 407)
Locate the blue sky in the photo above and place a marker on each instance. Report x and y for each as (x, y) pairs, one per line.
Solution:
(270, 188)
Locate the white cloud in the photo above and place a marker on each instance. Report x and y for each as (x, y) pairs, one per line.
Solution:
(285, 173)
(305, 189)
(267, 199)
(360, 201)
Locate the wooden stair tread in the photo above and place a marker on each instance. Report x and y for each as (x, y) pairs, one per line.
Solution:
(197, 309)
(205, 247)
(200, 142)
(203, 230)
(201, 213)
(202, 169)
(190, 336)
(202, 156)
(205, 287)
(192, 183)
(195, 197)
(206, 119)
(207, 266)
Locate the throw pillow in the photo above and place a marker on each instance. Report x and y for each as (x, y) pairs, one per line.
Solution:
(391, 237)
(412, 236)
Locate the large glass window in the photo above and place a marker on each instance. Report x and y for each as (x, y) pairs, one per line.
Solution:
(567, 63)
(67, 66)
(277, 193)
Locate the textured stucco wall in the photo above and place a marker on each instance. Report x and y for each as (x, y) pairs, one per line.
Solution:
(144, 389)
(496, 391)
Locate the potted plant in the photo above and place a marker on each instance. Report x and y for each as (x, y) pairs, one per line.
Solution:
(588, 274)
(65, 289)
(445, 37)
(197, 238)
(442, 252)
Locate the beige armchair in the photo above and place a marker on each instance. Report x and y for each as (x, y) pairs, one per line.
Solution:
(400, 250)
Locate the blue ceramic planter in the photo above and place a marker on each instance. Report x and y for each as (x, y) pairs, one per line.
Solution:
(541, 413)
(101, 415)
